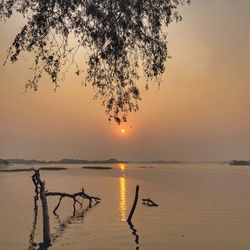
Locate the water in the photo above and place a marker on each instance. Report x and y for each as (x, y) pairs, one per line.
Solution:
(201, 206)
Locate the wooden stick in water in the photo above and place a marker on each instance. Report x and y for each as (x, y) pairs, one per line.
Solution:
(134, 205)
(149, 202)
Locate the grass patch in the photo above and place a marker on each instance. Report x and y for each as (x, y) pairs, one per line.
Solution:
(97, 168)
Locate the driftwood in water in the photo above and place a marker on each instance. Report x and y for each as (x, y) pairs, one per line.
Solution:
(134, 204)
(41, 191)
(62, 225)
(75, 197)
(149, 202)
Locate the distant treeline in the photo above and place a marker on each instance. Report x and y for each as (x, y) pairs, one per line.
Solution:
(160, 162)
(64, 161)
(109, 161)
(240, 163)
(4, 162)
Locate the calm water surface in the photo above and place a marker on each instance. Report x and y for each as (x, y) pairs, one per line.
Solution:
(201, 206)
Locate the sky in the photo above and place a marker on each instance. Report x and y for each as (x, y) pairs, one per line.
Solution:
(201, 111)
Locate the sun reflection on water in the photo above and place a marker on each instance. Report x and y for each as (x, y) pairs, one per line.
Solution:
(123, 200)
(122, 166)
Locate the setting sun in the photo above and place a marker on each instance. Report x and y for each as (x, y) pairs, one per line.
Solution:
(122, 95)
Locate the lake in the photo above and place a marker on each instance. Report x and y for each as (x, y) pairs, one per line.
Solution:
(201, 206)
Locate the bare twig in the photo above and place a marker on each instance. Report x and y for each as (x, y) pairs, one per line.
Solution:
(149, 202)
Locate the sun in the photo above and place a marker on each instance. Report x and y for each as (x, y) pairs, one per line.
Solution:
(123, 130)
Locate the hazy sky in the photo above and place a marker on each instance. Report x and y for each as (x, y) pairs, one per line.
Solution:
(200, 112)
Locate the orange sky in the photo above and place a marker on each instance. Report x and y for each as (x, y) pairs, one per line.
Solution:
(200, 112)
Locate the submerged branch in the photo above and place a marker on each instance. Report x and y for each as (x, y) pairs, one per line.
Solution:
(73, 196)
(149, 202)
(40, 192)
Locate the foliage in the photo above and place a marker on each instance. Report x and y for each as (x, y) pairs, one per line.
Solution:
(119, 35)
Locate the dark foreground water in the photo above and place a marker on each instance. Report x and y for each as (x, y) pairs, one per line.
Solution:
(200, 207)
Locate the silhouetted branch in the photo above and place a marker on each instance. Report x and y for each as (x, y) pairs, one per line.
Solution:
(57, 206)
(120, 37)
(40, 190)
(149, 202)
(62, 225)
(73, 196)
(134, 205)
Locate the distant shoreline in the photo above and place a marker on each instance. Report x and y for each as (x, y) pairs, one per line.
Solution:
(240, 163)
(109, 161)
(65, 161)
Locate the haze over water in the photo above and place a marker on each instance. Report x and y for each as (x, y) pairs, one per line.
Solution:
(200, 113)
(201, 206)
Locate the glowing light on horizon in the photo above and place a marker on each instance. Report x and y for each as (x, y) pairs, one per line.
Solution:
(122, 166)
(123, 198)
(123, 130)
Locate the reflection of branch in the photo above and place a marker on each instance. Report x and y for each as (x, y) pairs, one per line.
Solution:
(40, 192)
(134, 231)
(77, 215)
(62, 225)
(32, 244)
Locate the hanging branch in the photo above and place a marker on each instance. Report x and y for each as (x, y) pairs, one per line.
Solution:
(122, 40)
